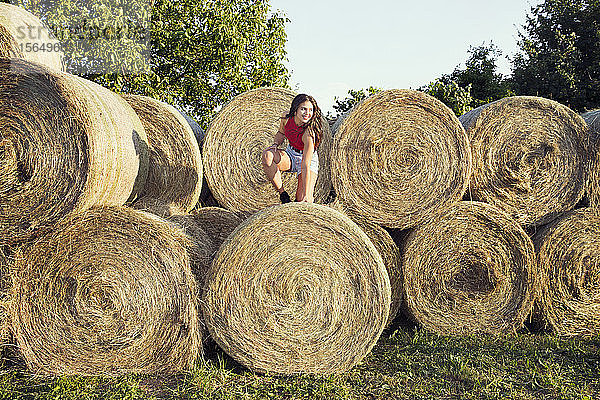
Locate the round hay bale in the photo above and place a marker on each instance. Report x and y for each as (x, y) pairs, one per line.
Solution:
(23, 35)
(471, 270)
(529, 157)
(109, 292)
(233, 146)
(66, 144)
(389, 252)
(5, 285)
(398, 156)
(569, 262)
(174, 161)
(592, 119)
(297, 288)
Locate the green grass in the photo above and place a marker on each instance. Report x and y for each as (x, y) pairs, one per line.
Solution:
(406, 364)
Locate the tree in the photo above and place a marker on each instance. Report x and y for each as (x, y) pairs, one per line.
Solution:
(559, 54)
(356, 96)
(458, 99)
(194, 54)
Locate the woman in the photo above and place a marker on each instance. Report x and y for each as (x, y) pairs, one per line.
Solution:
(302, 128)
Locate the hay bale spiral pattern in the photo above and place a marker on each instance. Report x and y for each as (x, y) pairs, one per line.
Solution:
(233, 146)
(398, 156)
(174, 161)
(529, 157)
(109, 292)
(470, 270)
(569, 262)
(66, 144)
(297, 288)
(22, 35)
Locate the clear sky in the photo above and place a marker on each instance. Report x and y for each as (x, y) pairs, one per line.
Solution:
(336, 45)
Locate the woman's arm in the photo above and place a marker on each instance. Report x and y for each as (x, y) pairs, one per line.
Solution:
(307, 155)
(279, 136)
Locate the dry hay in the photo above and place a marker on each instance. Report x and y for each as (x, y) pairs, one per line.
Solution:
(174, 164)
(109, 292)
(569, 263)
(5, 284)
(592, 119)
(23, 35)
(65, 144)
(233, 146)
(297, 288)
(398, 156)
(471, 270)
(529, 157)
(389, 252)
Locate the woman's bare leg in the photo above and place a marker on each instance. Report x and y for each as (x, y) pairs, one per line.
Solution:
(308, 192)
(274, 161)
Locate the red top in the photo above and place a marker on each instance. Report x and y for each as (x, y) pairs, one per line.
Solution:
(293, 133)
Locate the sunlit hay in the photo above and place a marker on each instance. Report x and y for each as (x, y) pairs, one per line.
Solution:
(398, 156)
(389, 252)
(23, 35)
(233, 147)
(5, 284)
(470, 270)
(66, 144)
(592, 119)
(569, 261)
(109, 292)
(175, 164)
(529, 157)
(297, 288)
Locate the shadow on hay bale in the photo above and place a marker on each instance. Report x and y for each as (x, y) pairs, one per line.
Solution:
(233, 146)
(529, 157)
(398, 156)
(569, 263)
(174, 161)
(66, 144)
(390, 254)
(297, 288)
(111, 291)
(471, 269)
(15, 42)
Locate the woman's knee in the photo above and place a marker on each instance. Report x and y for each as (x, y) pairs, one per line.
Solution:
(267, 157)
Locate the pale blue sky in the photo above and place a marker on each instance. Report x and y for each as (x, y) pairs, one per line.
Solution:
(335, 45)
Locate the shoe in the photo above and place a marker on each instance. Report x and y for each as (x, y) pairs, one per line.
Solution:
(284, 197)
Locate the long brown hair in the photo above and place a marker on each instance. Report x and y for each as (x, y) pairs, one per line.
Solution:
(314, 125)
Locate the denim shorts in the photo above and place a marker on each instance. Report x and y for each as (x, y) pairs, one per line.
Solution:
(296, 159)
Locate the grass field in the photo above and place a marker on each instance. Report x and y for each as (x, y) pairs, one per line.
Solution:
(407, 363)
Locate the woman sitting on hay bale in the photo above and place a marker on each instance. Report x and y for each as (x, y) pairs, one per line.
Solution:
(302, 128)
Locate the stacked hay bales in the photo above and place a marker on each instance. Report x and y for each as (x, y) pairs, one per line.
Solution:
(592, 119)
(569, 265)
(23, 35)
(471, 269)
(233, 145)
(398, 156)
(110, 291)
(529, 157)
(175, 166)
(66, 144)
(297, 288)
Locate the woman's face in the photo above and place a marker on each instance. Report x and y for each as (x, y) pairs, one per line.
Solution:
(304, 112)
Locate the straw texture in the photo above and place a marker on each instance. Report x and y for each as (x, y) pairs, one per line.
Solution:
(22, 35)
(592, 119)
(233, 146)
(389, 252)
(65, 144)
(109, 292)
(569, 262)
(398, 156)
(297, 288)
(175, 164)
(5, 283)
(471, 270)
(529, 157)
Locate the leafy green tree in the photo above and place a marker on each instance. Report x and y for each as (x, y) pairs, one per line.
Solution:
(457, 98)
(355, 96)
(559, 54)
(194, 54)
